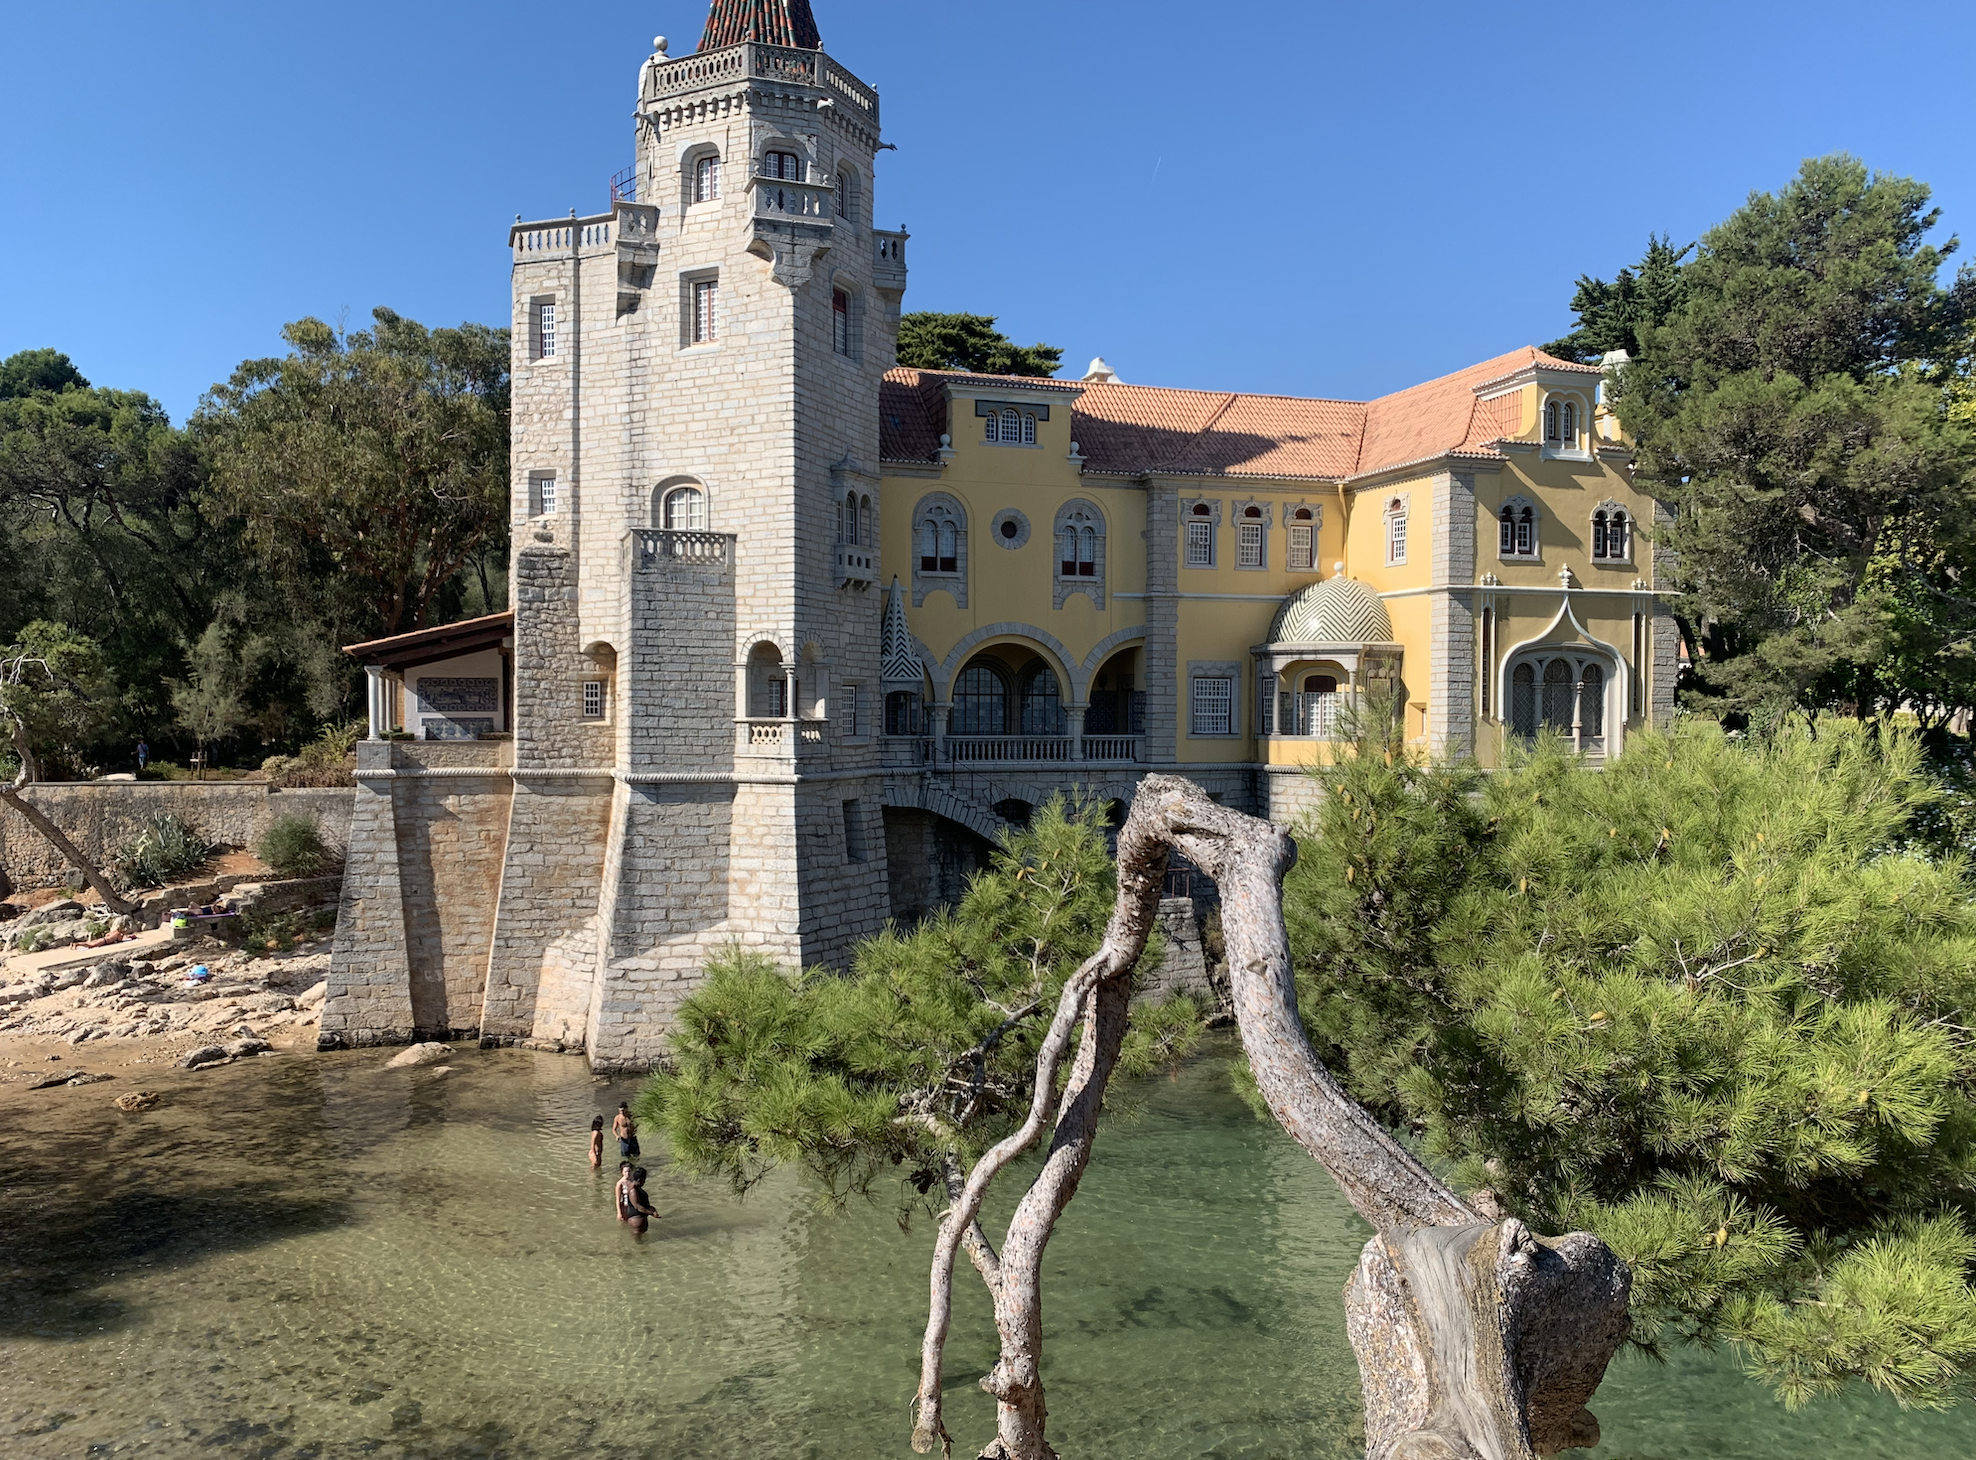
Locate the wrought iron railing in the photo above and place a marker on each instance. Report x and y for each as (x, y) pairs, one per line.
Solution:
(624, 185)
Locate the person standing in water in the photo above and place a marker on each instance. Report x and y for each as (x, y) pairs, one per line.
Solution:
(621, 1195)
(642, 1210)
(596, 1141)
(627, 1131)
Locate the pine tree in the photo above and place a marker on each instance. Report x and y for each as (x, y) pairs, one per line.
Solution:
(1710, 1004)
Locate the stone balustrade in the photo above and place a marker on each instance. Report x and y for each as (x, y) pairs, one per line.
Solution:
(659, 548)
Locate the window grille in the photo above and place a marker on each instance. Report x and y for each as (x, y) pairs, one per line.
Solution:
(1488, 656)
(1568, 433)
(542, 494)
(685, 510)
(902, 713)
(593, 699)
(706, 311)
(1248, 545)
(1550, 421)
(1506, 545)
(864, 522)
(1265, 703)
(1213, 707)
(1028, 430)
(1200, 544)
(545, 329)
(981, 702)
(853, 705)
(1609, 535)
(782, 166)
(706, 180)
(1396, 533)
(840, 321)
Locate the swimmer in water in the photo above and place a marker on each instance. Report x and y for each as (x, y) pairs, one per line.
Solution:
(621, 1195)
(626, 1131)
(596, 1141)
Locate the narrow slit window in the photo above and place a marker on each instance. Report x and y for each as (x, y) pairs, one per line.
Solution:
(840, 322)
(854, 837)
(545, 329)
(1568, 432)
(1396, 532)
(706, 312)
(1028, 430)
(1550, 421)
(950, 555)
(542, 494)
(1303, 541)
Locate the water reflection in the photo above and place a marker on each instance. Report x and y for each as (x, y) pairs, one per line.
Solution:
(318, 1257)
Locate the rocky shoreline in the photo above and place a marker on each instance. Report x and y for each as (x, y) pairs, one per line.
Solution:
(74, 1026)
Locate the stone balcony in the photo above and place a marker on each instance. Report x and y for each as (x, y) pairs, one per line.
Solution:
(989, 750)
(833, 86)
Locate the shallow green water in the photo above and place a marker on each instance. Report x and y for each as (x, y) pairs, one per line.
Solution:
(315, 1257)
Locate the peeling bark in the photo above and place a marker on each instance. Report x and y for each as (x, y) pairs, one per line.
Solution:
(1475, 1339)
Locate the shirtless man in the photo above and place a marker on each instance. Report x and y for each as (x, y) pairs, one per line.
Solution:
(626, 1131)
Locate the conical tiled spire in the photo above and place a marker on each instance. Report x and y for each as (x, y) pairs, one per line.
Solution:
(898, 655)
(772, 22)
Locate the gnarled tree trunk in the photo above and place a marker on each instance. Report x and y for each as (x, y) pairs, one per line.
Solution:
(1475, 1339)
(53, 834)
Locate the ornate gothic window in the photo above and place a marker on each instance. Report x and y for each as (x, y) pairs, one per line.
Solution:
(1517, 530)
(1610, 535)
(684, 509)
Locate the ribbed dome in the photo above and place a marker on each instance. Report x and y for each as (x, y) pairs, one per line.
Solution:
(1336, 611)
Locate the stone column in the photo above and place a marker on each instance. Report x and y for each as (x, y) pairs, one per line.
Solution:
(380, 702)
(1073, 716)
(939, 712)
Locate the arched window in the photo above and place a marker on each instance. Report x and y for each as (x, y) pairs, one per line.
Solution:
(1200, 536)
(1559, 692)
(768, 683)
(1569, 431)
(847, 519)
(782, 166)
(1042, 701)
(684, 509)
(840, 322)
(1320, 684)
(1523, 700)
(1250, 535)
(903, 712)
(864, 521)
(1550, 421)
(981, 701)
(939, 540)
(1507, 535)
(1609, 534)
(848, 202)
(1303, 540)
(1396, 531)
(1591, 701)
(706, 179)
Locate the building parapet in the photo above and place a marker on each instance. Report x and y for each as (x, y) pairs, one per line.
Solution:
(755, 61)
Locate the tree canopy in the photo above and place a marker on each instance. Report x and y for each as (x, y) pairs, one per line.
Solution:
(929, 341)
(378, 458)
(1701, 1003)
(1786, 397)
(923, 1056)
(1612, 313)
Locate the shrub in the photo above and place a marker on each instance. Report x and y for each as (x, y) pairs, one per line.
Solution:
(328, 760)
(293, 846)
(164, 849)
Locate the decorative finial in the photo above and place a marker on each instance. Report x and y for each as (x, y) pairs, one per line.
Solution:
(659, 44)
(1564, 575)
(1337, 570)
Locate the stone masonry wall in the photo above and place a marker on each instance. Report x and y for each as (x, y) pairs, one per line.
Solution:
(451, 830)
(100, 816)
(370, 997)
(542, 961)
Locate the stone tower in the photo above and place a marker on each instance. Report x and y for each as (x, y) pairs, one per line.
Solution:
(696, 638)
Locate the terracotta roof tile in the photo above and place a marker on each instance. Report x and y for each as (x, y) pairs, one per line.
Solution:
(775, 22)
(1135, 429)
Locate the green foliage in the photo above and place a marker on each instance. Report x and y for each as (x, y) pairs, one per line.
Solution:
(208, 700)
(165, 849)
(1612, 315)
(929, 341)
(376, 461)
(30, 371)
(328, 760)
(1701, 1003)
(293, 846)
(55, 688)
(924, 1054)
(1789, 410)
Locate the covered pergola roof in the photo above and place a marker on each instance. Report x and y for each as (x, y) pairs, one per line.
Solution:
(429, 646)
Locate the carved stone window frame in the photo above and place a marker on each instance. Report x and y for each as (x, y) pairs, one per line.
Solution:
(925, 581)
(1395, 505)
(1265, 519)
(1517, 504)
(1092, 587)
(1609, 506)
(1316, 526)
(1213, 518)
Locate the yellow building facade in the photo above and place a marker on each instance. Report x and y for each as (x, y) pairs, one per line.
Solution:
(1105, 574)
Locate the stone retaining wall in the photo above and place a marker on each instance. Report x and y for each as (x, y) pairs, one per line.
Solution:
(100, 816)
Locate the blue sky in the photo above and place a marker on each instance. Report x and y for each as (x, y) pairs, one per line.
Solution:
(1310, 199)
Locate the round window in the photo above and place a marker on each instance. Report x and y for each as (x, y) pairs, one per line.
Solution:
(1010, 528)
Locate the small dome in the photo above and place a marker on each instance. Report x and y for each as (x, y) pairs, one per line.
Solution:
(1336, 611)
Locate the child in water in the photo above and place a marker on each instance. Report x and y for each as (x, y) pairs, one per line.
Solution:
(596, 1141)
(621, 1194)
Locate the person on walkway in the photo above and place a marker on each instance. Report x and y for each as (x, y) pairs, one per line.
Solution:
(627, 1131)
(143, 755)
(642, 1210)
(596, 1141)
